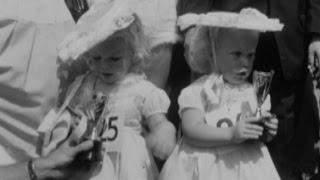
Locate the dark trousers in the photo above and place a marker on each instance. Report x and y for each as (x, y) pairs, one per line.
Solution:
(295, 106)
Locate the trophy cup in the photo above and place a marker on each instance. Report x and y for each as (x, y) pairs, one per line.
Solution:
(261, 84)
(96, 124)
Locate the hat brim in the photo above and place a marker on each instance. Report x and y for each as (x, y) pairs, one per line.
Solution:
(96, 25)
(248, 19)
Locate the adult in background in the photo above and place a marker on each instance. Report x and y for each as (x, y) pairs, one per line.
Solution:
(29, 34)
(286, 52)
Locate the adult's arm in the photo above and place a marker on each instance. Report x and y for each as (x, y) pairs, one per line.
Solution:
(52, 166)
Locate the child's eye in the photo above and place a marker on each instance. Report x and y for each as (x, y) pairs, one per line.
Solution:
(114, 59)
(251, 55)
(96, 57)
(236, 54)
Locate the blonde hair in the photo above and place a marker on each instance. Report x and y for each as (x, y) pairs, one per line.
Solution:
(139, 44)
(200, 49)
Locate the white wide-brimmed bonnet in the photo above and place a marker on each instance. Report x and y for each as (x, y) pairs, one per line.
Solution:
(105, 17)
(198, 42)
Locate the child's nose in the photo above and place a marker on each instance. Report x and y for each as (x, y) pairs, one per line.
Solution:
(244, 61)
(105, 66)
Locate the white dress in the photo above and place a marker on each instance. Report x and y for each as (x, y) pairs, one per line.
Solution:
(134, 99)
(30, 31)
(222, 107)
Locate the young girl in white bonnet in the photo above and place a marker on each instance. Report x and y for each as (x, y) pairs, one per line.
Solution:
(158, 18)
(111, 39)
(221, 139)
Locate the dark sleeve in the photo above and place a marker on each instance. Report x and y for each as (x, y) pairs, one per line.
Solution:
(313, 19)
(194, 6)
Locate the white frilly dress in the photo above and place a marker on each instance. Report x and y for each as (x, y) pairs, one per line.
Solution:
(30, 31)
(222, 105)
(135, 99)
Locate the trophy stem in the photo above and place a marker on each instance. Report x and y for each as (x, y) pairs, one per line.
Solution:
(259, 112)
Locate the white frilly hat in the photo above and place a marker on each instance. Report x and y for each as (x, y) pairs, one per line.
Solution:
(105, 17)
(96, 25)
(197, 41)
(248, 18)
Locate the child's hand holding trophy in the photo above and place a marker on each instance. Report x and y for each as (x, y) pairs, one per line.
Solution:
(261, 83)
(95, 112)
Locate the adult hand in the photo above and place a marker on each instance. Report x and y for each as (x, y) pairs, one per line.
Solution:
(314, 56)
(55, 164)
(246, 129)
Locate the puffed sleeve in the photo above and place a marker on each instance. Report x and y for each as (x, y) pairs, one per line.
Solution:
(191, 97)
(156, 101)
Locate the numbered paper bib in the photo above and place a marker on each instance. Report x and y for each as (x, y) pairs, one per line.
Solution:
(114, 133)
(223, 117)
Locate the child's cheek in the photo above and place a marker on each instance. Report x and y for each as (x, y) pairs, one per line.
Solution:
(92, 64)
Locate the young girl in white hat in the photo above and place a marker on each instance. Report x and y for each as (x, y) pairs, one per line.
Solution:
(221, 139)
(158, 19)
(110, 38)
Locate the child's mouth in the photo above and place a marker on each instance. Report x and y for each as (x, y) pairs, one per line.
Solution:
(107, 74)
(242, 73)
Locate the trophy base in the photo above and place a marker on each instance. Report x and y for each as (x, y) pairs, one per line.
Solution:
(261, 123)
(90, 162)
(93, 155)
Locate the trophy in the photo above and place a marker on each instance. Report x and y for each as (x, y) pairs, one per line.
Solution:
(95, 111)
(261, 84)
